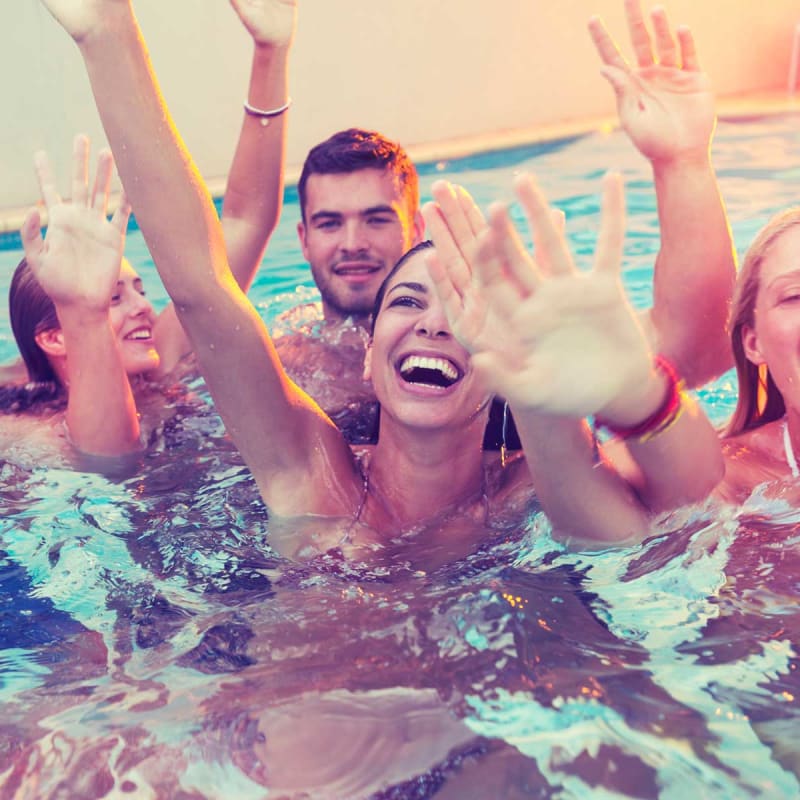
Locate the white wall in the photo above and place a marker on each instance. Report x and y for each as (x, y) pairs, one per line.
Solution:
(418, 70)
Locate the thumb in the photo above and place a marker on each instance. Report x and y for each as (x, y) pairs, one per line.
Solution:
(31, 235)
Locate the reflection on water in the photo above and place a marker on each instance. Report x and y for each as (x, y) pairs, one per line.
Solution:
(153, 645)
(153, 642)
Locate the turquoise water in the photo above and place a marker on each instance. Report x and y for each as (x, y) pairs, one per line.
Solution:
(153, 645)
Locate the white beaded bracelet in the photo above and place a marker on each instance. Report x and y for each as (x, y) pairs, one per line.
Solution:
(266, 114)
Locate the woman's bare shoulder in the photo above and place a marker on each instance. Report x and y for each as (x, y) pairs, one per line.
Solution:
(35, 440)
(752, 458)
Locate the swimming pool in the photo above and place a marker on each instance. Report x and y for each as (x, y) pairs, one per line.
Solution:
(153, 645)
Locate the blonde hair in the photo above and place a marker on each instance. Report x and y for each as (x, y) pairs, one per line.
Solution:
(759, 400)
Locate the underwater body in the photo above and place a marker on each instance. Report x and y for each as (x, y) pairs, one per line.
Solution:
(154, 644)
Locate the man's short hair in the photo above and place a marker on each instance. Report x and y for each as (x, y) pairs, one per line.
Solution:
(355, 149)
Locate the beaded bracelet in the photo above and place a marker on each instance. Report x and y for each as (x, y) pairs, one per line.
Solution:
(265, 114)
(663, 418)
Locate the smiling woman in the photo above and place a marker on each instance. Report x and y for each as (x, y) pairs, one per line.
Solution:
(40, 339)
(61, 301)
(763, 435)
(80, 317)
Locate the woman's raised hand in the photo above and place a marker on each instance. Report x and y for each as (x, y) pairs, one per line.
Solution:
(665, 101)
(269, 22)
(454, 223)
(546, 336)
(78, 261)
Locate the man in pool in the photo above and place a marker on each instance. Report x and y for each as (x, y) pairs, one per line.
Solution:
(359, 206)
(359, 202)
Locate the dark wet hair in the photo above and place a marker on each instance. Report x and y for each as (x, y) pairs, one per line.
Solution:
(354, 149)
(31, 311)
(427, 244)
(42, 397)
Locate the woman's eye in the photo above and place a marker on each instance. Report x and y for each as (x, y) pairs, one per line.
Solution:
(405, 300)
(790, 297)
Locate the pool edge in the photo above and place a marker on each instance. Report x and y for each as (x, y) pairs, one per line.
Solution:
(728, 109)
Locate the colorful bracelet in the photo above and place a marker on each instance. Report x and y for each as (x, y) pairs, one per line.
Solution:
(663, 418)
(265, 114)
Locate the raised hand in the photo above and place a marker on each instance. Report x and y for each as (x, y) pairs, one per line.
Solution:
(665, 104)
(269, 22)
(78, 262)
(454, 223)
(544, 335)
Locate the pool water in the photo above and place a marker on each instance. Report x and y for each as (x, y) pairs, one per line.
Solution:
(152, 645)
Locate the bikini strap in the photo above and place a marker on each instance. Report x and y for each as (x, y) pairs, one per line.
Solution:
(789, 451)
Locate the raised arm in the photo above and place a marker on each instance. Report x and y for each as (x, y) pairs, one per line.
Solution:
(293, 450)
(561, 345)
(78, 265)
(254, 194)
(666, 106)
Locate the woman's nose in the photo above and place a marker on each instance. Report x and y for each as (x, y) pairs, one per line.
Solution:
(140, 305)
(433, 324)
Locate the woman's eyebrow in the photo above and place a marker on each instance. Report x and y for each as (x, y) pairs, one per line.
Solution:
(415, 287)
(787, 277)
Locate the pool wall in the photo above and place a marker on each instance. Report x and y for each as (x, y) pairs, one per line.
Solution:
(421, 71)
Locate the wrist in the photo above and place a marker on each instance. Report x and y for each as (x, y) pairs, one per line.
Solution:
(646, 413)
(75, 313)
(271, 52)
(691, 160)
(115, 21)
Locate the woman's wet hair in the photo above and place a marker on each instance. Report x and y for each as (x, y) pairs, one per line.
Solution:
(31, 311)
(759, 399)
(376, 308)
(43, 397)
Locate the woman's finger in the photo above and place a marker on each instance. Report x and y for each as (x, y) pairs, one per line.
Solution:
(665, 44)
(452, 206)
(80, 170)
(102, 181)
(450, 297)
(610, 240)
(640, 38)
(31, 234)
(689, 58)
(448, 253)
(549, 239)
(520, 267)
(44, 174)
(122, 214)
(606, 47)
(472, 214)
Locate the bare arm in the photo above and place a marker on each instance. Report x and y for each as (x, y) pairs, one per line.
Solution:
(78, 265)
(293, 450)
(561, 345)
(667, 108)
(254, 194)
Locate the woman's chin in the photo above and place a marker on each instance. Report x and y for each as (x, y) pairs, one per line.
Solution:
(142, 365)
